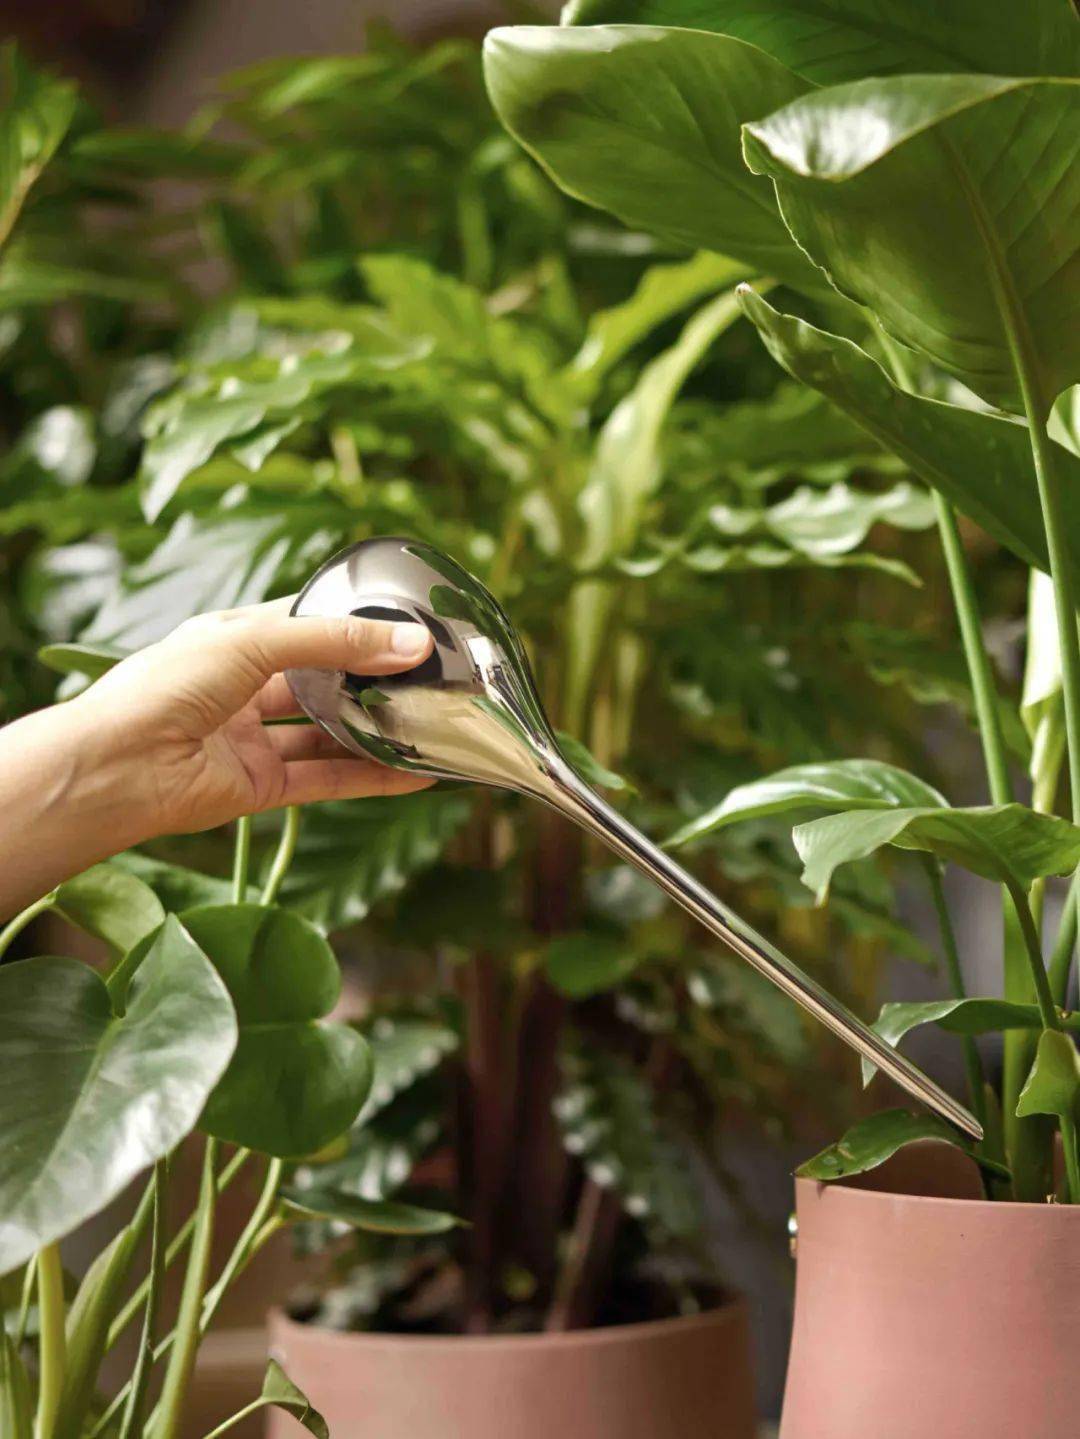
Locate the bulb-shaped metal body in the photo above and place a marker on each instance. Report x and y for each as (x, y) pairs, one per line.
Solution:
(470, 712)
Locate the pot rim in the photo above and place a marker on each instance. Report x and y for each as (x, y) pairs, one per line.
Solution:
(732, 1311)
(856, 1193)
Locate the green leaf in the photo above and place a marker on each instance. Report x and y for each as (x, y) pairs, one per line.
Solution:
(295, 1082)
(16, 1409)
(279, 1392)
(111, 904)
(589, 962)
(844, 784)
(89, 1098)
(403, 1050)
(873, 1140)
(644, 122)
(980, 462)
(820, 523)
(351, 853)
(374, 1216)
(662, 291)
(177, 887)
(947, 204)
(1053, 1085)
(609, 1118)
(1042, 701)
(849, 39)
(957, 1016)
(36, 113)
(588, 766)
(93, 661)
(1008, 843)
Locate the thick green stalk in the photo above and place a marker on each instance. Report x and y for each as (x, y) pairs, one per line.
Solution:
(26, 916)
(28, 1286)
(233, 1420)
(241, 1250)
(290, 831)
(166, 1423)
(241, 859)
(972, 1062)
(1061, 958)
(52, 1345)
(131, 1424)
(1032, 948)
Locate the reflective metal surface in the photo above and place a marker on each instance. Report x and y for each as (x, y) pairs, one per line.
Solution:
(471, 712)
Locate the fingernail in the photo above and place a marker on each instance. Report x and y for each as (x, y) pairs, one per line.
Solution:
(408, 641)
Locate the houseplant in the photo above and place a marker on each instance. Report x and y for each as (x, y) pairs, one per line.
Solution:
(924, 168)
(459, 388)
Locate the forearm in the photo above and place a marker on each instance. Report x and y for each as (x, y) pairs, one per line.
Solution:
(66, 801)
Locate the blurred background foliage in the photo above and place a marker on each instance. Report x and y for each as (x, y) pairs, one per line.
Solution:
(341, 302)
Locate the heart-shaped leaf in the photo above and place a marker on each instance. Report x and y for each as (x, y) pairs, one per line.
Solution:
(873, 1140)
(177, 887)
(946, 203)
(89, 1098)
(295, 1082)
(845, 784)
(980, 462)
(643, 122)
(1053, 1085)
(1008, 843)
(375, 1216)
(849, 39)
(111, 904)
(279, 1392)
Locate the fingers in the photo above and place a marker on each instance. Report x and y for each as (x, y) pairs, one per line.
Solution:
(276, 700)
(348, 643)
(304, 741)
(307, 781)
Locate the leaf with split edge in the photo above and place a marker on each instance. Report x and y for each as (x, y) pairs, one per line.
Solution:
(957, 1016)
(1008, 843)
(296, 1081)
(946, 204)
(110, 903)
(1053, 1084)
(980, 462)
(877, 1138)
(374, 1216)
(353, 853)
(847, 784)
(848, 39)
(644, 122)
(92, 1099)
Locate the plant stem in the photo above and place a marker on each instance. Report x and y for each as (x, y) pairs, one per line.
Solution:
(15, 927)
(1072, 1157)
(231, 1423)
(595, 1226)
(131, 1425)
(241, 859)
(29, 1279)
(279, 868)
(1050, 1017)
(182, 1358)
(1061, 958)
(52, 1345)
(243, 1246)
(176, 1245)
(972, 1062)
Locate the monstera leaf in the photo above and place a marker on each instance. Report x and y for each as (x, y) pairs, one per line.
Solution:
(980, 462)
(849, 39)
(92, 1097)
(644, 122)
(846, 784)
(947, 204)
(111, 904)
(1008, 843)
(295, 1082)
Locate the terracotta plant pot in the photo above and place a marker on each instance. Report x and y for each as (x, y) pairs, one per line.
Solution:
(671, 1379)
(918, 1314)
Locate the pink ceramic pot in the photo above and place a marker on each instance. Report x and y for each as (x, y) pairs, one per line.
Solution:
(923, 1317)
(673, 1379)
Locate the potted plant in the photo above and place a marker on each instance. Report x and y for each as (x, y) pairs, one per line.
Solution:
(911, 178)
(554, 1049)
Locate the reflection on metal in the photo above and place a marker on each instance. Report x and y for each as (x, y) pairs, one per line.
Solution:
(471, 712)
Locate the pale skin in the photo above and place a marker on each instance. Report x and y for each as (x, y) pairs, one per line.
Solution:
(181, 737)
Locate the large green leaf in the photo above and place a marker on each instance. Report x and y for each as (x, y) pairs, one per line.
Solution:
(353, 853)
(644, 122)
(830, 41)
(177, 887)
(1008, 843)
(376, 1216)
(980, 462)
(36, 113)
(295, 1081)
(609, 1118)
(947, 203)
(873, 1140)
(1053, 1085)
(89, 1098)
(958, 1016)
(111, 904)
(843, 784)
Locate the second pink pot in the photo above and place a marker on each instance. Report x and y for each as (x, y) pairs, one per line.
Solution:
(926, 1317)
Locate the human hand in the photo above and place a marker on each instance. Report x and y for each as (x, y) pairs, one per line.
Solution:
(188, 716)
